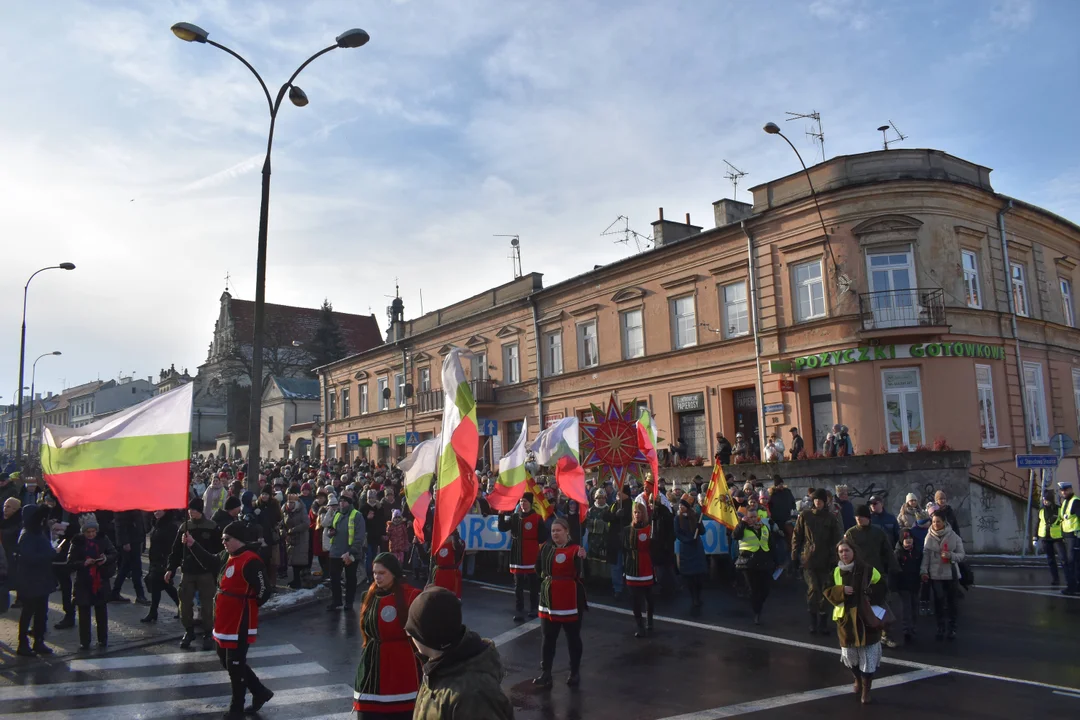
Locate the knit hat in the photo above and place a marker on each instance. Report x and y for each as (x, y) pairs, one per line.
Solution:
(331, 499)
(390, 562)
(910, 497)
(196, 504)
(238, 531)
(863, 511)
(687, 499)
(232, 503)
(821, 494)
(396, 514)
(435, 619)
(527, 497)
(88, 521)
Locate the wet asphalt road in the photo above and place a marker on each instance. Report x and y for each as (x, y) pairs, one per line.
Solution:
(1015, 658)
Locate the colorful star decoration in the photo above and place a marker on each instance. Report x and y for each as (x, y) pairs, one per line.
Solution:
(610, 442)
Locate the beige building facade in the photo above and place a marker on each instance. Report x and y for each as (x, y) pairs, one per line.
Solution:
(895, 320)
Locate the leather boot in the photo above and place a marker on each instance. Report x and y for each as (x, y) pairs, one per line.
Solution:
(857, 687)
(544, 680)
(867, 681)
(813, 623)
(823, 623)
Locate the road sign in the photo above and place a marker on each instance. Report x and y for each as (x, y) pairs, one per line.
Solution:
(1061, 444)
(1036, 461)
(488, 428)
(773, 408)
(412, 439)
(354, 438)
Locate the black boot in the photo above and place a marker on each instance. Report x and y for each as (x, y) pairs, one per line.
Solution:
(24, 648)
(823, 623)
(640, 630)
(258, 699)
(544, 681)
(40, 648)
(189, 637)
(574, 678)
(813, 623)
(68, 621)
(151, 617)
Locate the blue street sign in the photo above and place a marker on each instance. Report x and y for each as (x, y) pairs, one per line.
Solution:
(773, 408)
(354, 438)
(488, 428)
(1036, 461)
(1060, 444)
(412, 439)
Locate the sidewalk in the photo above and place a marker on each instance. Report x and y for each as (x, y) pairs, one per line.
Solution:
(125, 630)
(1028, 561)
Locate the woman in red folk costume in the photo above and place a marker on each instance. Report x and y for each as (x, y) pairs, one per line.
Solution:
(389, 674)
(527, 533)
(446, 565)
(638, 567)
(562, 600)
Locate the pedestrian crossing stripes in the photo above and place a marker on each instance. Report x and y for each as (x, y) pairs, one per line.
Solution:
(183, 658)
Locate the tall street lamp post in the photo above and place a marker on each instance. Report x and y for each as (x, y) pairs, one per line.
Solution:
(22, 358)
(349, 39)
(33, 379)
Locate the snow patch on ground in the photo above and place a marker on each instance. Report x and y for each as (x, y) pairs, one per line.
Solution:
(290, 598)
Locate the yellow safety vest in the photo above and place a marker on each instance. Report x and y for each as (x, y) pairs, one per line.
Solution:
(352, 526)
(1055, 528)
(752, 543)
(838, 611)
(1070, 522)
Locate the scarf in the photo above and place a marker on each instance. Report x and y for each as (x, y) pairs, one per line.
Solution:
(93, 551)
(846, 567)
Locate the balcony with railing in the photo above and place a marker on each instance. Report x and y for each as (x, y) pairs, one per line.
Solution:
(429, 401)
(913, 308)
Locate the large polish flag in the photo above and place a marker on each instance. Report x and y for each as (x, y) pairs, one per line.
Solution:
(137, 459)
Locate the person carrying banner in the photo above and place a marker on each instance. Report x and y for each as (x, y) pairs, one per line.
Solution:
(638, 567)
(527, 532)
(198, 575)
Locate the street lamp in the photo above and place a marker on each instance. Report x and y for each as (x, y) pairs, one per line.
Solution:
(33, 379)
(843, 282)
(349, 39)
(22, 357)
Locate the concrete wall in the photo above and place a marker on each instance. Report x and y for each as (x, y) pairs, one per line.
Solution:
(997, 522)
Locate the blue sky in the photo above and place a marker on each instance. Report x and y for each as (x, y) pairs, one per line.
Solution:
(137, 156)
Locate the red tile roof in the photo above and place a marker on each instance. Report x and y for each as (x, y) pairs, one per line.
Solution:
(288, 323)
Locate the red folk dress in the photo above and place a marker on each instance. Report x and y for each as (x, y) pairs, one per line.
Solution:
(448, 566)
(560, 571)
(525, 543)
(234, 597)
(638, 567)
(388, 675)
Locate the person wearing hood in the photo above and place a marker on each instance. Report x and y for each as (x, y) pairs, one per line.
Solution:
(162, 536)
(92, 557)
(942, 553)
(214, 496)
(387, 676)
(198, 574)
(34, 580)
(817, 532)
(297, 538)
(463, 673)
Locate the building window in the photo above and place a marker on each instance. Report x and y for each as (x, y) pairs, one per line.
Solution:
(511, 364)
(970, 263)
(345, 408)
(987, 419)
(587, 349)
(363, 399)
(1036, 404)
(633, 335)
(479, 366)
(809, 291)
(1067, 302)
(736, 316)
(1019, 290)
(553, 361)
(903, 408)
(384, 402)
(399, 390)
(270, 424)
(425, 379)
(683, 322)
(332, 410)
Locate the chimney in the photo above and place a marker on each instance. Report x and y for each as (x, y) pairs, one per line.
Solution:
(37, 397)
(49, 396)
(729, 211)
(666, 232)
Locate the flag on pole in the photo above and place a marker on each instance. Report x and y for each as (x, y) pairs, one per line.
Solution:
(540, 503)
(419, 469)
(557, 447)
(457, 484)
(513, 477)
(718, 504)
(647, 445)
(137, 459)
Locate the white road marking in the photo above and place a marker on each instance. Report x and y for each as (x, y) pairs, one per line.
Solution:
(1044, 593)
(147, 684)
(515, 633)
(136, 661)
(1073, 695)
(801, 697)
(196, 706)
(743, 633)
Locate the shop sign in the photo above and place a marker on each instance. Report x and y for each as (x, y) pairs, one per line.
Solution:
(399, 439)
(688, 403)
(744, 399)
(892, 352)
(787, 386)
(365, 442)
(552, 418)
(384, 442)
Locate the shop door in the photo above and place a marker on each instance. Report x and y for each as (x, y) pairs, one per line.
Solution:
(821, 412)
(746, 417)
(893, 296)
(692, 431)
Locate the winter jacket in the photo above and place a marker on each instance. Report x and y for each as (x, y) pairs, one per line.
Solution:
(847, 514)
(339, 544)
(375, 519)
(909, 562)
(397, 535)
(207, 535)
(690, 533)
(598, 529)
(663, 537)
(782, 506)
(873, 548)
(34, 577)
(130, 529)
(888, 523)
(620, 515)
(951, 519)
(268, 517)
(297, 534)
(931, 560)
(162, 537)
(464, 684)
(817, 532)
(214, 499)
(850, 628)
(90, 587)
(221, 518)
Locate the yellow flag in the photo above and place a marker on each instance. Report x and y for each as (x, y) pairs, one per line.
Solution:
(718, 500)
(540, 503)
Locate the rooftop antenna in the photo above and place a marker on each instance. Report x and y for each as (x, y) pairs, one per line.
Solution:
(421, 301)
(515, 253)
(884, 130)
(816, 132)
(641, 242)
(734, 174)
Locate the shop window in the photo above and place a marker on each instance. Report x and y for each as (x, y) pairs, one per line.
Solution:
(903, 408)
(970, 262)
(683, 322)
(736, 314)
(633, 334)
(1019, 290)
(588, 349)
(552, 360)
(809, 291)
(1068, 309)
(1038, 431)
(988, 432)
(511, 364)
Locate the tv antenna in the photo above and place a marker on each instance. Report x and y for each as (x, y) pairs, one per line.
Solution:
(641, 242)
(515, 253)
(734, 175)
(884, 130)
(815, 132)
